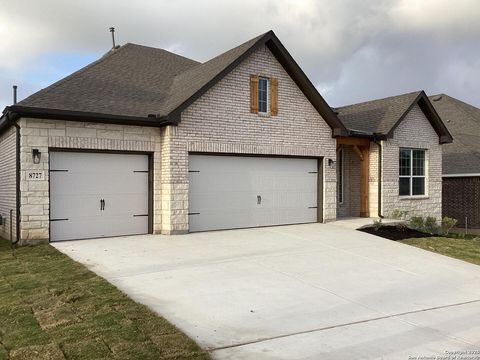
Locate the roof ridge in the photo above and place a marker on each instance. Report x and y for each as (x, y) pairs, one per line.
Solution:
(221, 54)
(161, 49)
(379, 99)
(67, 78)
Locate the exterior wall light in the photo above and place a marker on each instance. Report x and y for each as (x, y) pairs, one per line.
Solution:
(331, 163)
(36, 155)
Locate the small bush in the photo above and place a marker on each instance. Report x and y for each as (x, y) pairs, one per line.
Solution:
(430, 225)
(377, 224)
(399, 214)
(447, 224)
(417, 222)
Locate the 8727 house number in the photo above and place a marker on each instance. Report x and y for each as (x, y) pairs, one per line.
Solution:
(35, 175)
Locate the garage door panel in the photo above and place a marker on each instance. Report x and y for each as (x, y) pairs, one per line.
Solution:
(82, 180)
(224, 190)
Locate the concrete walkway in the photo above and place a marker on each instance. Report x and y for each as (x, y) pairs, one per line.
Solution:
(315, 291)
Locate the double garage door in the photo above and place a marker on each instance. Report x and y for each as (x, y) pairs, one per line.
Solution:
(97, 195)
(228, 192)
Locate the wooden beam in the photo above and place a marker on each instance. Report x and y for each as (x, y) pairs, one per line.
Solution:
(359, 153)
(346, 140)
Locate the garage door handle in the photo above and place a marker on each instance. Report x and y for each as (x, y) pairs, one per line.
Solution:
(259, 199)
(102, 204)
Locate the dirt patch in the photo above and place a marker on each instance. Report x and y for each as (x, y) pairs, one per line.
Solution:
(395, 232)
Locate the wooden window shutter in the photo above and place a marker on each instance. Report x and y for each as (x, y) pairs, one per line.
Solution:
(254, 94)
(273, 96)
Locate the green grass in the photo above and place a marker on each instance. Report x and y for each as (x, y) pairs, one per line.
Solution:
(54, 308)
(467, 249)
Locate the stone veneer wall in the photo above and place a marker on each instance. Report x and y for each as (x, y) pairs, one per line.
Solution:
(8, 181)
(414, 131)
(220, 121)
(45, 134)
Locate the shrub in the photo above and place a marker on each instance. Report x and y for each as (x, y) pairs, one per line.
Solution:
(377, 224)
(398, 214)
(447, 224)
(430, 225)
(417, 222)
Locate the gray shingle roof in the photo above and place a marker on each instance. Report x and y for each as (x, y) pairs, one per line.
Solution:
(133, 80)
(146, 86)
(463, 121)
(376, 116)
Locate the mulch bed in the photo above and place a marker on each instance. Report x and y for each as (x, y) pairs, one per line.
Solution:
(395, 232)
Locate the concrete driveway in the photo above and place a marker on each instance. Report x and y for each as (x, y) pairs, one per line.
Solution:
(310, 291)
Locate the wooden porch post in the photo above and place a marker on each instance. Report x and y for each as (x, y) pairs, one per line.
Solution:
(364, 186)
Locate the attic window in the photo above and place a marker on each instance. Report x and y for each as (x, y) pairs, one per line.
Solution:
(263, 95)
(263, 86)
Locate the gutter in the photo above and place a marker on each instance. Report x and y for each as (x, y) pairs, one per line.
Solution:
(17, 111)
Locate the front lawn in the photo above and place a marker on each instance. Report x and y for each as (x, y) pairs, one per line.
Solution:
(54, 308)
(467, 249)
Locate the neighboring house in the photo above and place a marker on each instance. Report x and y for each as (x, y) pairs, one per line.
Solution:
(146, 141)
(461, 160)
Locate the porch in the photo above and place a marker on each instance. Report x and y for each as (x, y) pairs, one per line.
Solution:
(353, 178)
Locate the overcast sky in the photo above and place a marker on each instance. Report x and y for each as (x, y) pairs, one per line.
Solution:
(352, 50)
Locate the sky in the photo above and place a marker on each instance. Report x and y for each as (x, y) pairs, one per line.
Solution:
(352, 50)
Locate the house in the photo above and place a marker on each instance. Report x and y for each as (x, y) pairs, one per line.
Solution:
(147, 141)
(395, 150)
(461, 161)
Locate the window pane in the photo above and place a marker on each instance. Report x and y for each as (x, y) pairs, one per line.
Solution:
(405, 162)
(404, 186)
(262, 94)
(418, 186)
(418, 162)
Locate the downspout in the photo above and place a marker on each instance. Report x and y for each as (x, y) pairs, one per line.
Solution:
(17, 165)
(379, 144)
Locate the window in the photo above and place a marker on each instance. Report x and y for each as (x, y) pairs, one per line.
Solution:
(412, 172)
(263, 95)
(340, 176)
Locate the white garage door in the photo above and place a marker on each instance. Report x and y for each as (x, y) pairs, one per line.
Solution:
(227, 192)
(97, 195)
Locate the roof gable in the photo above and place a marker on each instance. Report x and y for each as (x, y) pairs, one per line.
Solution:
(382, 116)
(190, 85)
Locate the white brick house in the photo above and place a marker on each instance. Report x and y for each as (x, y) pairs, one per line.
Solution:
(146, 141)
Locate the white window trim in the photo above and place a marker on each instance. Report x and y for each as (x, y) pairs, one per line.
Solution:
(263, 113)
(341, 156)
(411, 176)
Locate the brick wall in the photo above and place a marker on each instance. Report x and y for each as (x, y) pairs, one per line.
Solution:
(414, 131)
(44, 134)
(220, 121)
(8, 181)
(461, 199)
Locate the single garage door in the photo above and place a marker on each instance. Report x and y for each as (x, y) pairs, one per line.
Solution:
(97, 195)
(228, 192)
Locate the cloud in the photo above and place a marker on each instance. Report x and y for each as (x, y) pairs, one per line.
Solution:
(352, 50)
